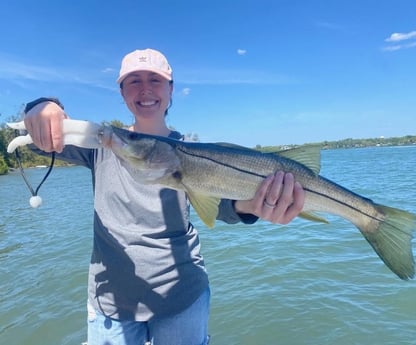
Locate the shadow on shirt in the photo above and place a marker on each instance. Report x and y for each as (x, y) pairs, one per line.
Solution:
(122, 294)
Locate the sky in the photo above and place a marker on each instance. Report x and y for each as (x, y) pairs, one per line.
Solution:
(249, 72)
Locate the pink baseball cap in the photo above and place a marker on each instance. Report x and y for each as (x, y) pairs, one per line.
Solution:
(145, 60)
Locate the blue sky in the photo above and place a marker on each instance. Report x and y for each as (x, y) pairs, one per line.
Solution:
(248, 72)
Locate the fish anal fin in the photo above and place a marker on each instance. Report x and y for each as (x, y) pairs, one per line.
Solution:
(312, 217)
(205, 206)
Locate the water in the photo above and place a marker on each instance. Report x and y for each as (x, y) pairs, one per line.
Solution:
(300, 284)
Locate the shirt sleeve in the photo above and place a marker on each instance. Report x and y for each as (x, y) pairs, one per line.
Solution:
(228, 214)
(71, 154)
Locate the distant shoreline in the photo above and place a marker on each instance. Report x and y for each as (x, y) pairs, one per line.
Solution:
(409, 140)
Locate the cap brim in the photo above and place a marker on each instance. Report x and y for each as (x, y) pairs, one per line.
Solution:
(125, 75)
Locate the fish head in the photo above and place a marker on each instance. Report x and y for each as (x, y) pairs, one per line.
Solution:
(150, 157)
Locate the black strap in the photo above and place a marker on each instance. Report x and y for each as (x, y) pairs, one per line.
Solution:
(19, 162)
(32, 104)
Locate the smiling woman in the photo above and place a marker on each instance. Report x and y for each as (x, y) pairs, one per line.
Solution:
(146, 86)
(146, 91)
(136, 224)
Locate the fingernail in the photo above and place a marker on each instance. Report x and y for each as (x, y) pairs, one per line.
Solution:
(279, 174)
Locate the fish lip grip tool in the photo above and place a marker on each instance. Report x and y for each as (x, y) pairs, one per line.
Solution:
(80, 133)
(76, 132)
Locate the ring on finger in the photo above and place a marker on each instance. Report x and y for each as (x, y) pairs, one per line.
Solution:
(265, 203)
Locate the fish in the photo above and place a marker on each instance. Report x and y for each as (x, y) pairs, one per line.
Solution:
(209, 172)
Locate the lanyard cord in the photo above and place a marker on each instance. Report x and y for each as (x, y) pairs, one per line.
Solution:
(35, 201)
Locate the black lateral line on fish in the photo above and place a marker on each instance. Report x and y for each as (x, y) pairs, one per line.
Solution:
(221, 163)
(345, 204)
(264, 176)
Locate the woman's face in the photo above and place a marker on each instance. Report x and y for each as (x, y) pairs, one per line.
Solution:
(147, 95)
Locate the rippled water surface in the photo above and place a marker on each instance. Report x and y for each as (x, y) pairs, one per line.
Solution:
(304, 283)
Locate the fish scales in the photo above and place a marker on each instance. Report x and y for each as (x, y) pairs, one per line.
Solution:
(218, 175)
(240, 181)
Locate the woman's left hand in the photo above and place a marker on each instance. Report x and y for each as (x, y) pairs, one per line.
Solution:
(279, 199)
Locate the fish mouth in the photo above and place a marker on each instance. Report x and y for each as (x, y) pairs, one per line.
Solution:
(111, 137)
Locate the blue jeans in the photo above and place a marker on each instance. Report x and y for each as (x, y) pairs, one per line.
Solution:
(189, 327)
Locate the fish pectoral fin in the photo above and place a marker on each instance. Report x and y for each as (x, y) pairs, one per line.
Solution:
(312, 217)
(205, 206)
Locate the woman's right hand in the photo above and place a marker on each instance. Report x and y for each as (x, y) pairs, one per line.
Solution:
(44, 124)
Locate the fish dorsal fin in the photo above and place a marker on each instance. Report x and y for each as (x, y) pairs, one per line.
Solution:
(205, 206)
(308, 155)
(234, 146)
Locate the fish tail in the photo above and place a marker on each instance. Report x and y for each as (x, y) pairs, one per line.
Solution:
(392, 240)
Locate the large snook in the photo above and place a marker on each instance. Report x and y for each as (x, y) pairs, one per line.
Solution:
(209, 172)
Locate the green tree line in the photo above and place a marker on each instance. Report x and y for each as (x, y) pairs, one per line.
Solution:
(350, 143)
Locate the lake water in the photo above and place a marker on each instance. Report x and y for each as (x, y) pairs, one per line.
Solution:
(300, 284)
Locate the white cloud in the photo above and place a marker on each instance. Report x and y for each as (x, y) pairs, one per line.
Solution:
(399, 46)
(186, 91)
(396, 37)
(10, 69)
(241, 51)
(396, 40)
(108, 70)
(19, 72)
(392, 48)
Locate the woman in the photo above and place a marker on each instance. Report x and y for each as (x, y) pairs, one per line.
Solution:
(147, 280)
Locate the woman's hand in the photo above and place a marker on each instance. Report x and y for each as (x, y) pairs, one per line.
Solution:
(279, 199)
(44, 124)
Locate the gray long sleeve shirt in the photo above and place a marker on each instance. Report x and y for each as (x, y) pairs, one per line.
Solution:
(146, 259)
